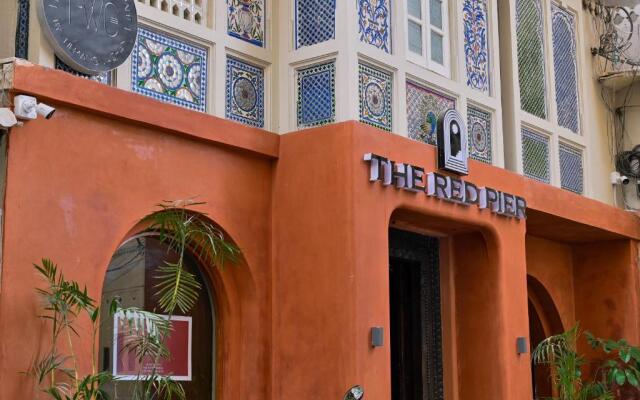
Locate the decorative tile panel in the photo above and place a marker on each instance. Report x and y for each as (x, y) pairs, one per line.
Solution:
(424, 108)
(376, 97)
(316, 95)
(476, 47)
(374, 23)
(535, 156)
(104, 77)
(315, 21)
(245, 20)
(531, 69)
(170, 70)
(245, 93)
(565, 67)
(479, 128)
(571, 169)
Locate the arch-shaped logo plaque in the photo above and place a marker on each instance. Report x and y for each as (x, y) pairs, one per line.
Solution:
(91, 36)
(453, 150)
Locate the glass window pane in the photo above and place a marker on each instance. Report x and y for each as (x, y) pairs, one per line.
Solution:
(437, 51)
(414, 8)
(415, 38)
(435, 13)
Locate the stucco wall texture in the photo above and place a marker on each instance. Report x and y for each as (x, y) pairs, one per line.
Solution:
(294, 316)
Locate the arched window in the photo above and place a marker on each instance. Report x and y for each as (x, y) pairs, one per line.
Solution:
(132, 276)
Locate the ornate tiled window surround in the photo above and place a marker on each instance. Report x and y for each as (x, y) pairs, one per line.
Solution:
(374, 23)
(246, 20)
(376, 97)
(479, 129)
(244, 92)
(476, 44)
(424, 108)
(535, 156)
(315, 21)
(169, 69)
(316, 103)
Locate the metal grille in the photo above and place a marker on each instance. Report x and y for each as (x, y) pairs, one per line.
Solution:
(315, 21)
(22, 30)
(565, 68)
(531, 70)
(479, 127)
(424, 109)
(375, 97)
(316, 94)
(571, 169)
(535, 156)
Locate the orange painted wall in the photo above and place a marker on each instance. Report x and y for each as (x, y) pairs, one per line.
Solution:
(296, 315)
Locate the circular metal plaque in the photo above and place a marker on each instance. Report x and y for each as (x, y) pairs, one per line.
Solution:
(91, 36)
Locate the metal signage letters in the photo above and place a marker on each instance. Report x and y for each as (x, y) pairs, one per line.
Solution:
(412, 178)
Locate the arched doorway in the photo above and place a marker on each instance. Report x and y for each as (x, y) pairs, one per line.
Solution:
(132, 276)
(544, 321)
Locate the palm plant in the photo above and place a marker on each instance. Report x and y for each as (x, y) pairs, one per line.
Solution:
(621, 366)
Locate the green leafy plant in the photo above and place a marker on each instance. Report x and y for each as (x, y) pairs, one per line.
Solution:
(560, 353)
(65, 301)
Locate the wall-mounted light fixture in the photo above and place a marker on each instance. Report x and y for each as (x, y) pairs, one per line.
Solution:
(521, 345)
(355, 393)
(377, 336)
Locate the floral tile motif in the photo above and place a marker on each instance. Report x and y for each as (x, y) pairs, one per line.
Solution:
(245, 20)
(316, 95)
(374, 23)
(571, 169)
(315, 22)
(424, 108)
(476, 47)
(531, 67)
(535, 156)
(245, 93)
(170, 70)
(375, 97)
(565, 67)
(479, 128)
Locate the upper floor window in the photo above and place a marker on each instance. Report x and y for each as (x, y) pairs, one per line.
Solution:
(565, 68)
(428, 34)
(531, 57)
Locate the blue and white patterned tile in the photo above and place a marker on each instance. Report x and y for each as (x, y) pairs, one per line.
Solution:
(565, 68)
(374, 23)
(316, 95)
(244, 93)
(376, 94)
(170, 70)
(535, 156)
(476, 46)
(315, 22)
(246, 20)
(479, 130)
(571, 169)
(424, 109)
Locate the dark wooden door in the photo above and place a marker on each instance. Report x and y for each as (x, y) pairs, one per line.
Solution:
(414, 301)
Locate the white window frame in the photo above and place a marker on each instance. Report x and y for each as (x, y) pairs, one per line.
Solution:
(424, 59)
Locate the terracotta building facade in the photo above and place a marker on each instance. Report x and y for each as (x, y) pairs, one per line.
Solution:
(330, 257)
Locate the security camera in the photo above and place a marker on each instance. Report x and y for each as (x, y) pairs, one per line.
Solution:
(617, 179)
(45, 110)
(27, 107)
